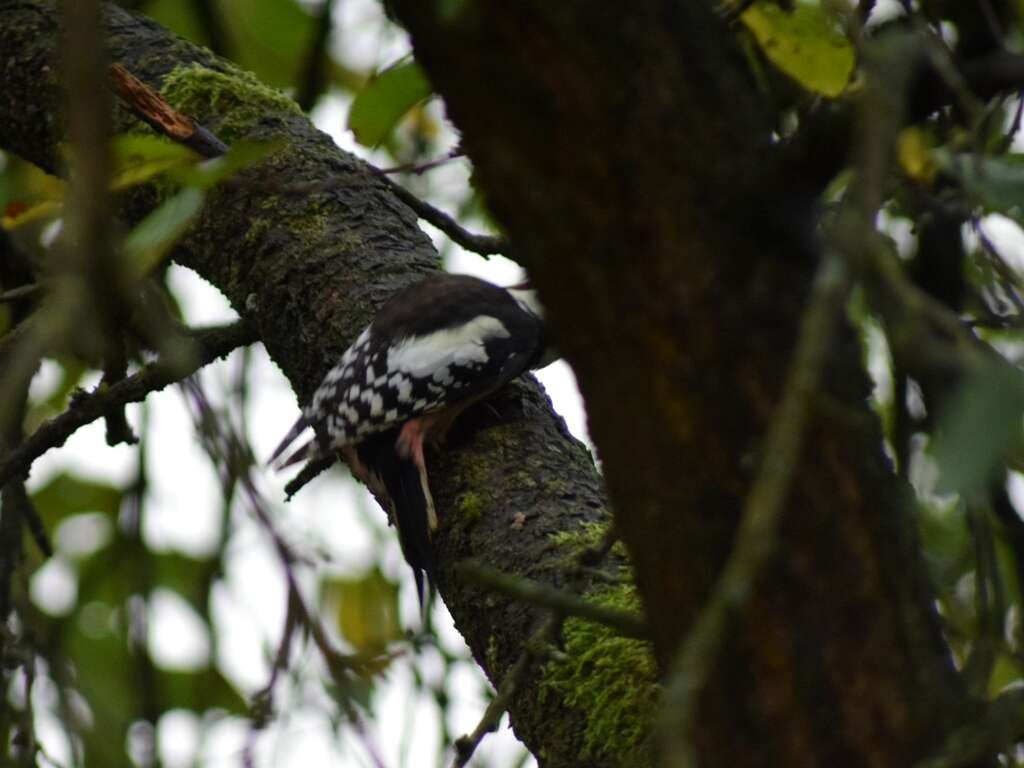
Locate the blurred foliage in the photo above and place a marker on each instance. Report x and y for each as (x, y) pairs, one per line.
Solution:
(365, 608)
(379, 106)
(956, 437)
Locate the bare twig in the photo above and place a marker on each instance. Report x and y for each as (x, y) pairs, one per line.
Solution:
(998, 263)
(419, 168)
(536, 593)
(466, 745)
(150, 107)
(542, 641)
(234, 460)
(16, 508)
(485, 245)
(211, 343)
(116, 368)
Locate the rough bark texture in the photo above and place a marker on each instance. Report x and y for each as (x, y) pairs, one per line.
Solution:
(627, 155)
(307, 270)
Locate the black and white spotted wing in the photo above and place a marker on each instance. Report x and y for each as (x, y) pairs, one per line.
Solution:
(438, 342)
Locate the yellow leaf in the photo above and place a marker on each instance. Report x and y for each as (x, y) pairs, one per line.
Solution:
(366, 608)
(804, 44)
(915, 155)
(37, 212)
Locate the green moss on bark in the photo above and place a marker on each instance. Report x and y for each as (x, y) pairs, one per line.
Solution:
(587, 536)
(613, 679)
(470, 506)
(236, 98)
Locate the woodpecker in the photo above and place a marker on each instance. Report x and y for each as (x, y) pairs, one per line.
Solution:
(433, 349)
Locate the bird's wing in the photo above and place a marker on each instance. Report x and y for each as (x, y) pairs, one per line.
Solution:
(380, 383)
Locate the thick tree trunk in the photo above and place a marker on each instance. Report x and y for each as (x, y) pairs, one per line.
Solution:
(627, 155)
(307, 270)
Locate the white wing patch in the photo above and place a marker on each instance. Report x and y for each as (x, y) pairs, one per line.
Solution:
(374, 386)
(431, 356)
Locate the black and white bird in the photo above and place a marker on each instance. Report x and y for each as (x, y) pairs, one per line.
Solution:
(433, 349)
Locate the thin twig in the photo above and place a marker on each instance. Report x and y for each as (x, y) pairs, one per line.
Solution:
(485, 245)
(115, 369)
(541, 644)
(420, 168)
(998, 263)
(466, 745)
(309, 472)
(233, 458)
(536, 593)
(210, 343)
(150, 107)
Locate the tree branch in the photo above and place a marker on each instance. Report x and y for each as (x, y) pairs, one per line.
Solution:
(307, 272)
(210, 344)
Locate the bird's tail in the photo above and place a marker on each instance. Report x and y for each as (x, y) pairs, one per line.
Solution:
(297, 429)
(412, 505)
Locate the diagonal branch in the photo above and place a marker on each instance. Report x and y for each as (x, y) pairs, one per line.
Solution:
(307, 272)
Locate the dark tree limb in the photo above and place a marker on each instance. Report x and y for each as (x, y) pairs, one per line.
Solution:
(306, 273)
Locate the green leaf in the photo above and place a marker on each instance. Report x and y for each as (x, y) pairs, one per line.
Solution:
(377, 109)
(67, 494)
(181, 18)
(995, 183)
(139, 157)
(1005, 673)
(805, 44)
(199, 691)
(366, 609)
(188, 577)
(107, 676)
(154, 236)
(979, 429)
(270, 38)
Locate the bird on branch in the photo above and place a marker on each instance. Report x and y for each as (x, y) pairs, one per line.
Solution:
(433, 349)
